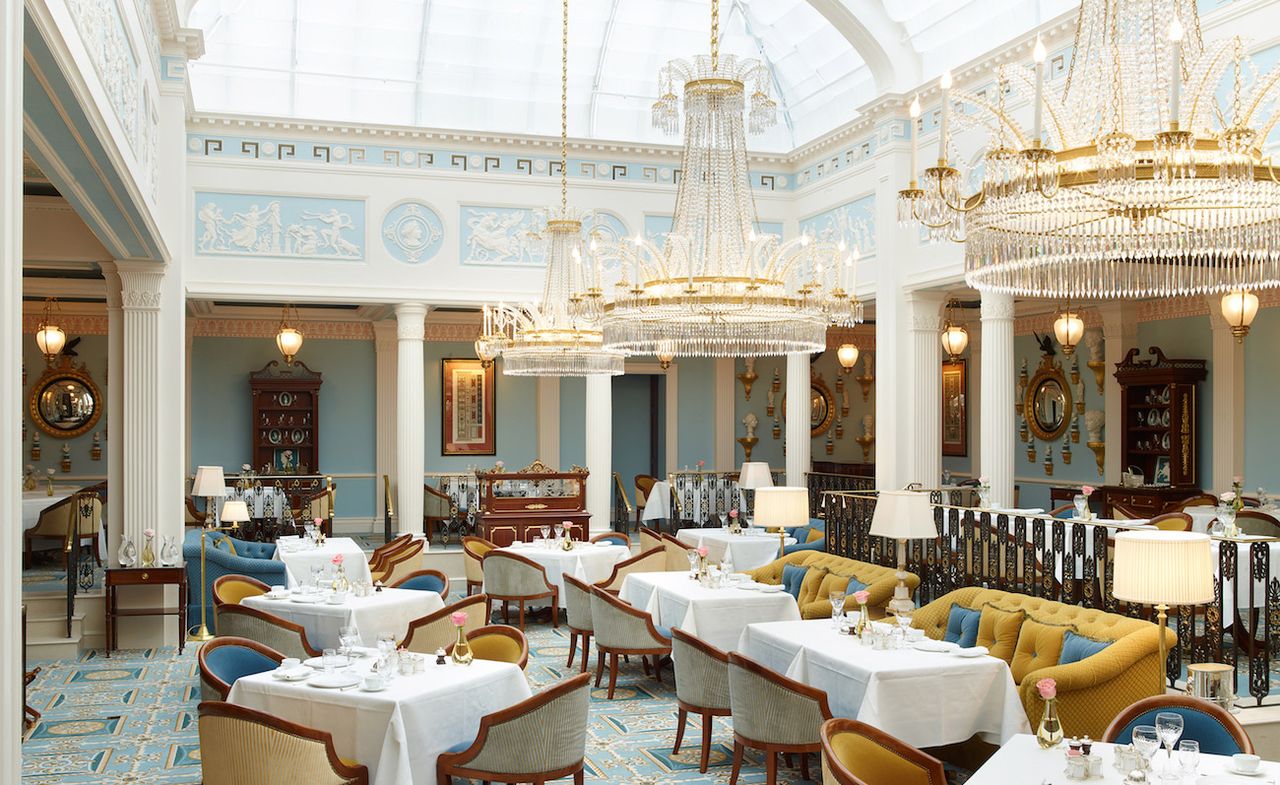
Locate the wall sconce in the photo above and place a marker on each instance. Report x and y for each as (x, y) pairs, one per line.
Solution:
(289, 337)
(954, 337)
(1239, 308)
(847, 354)
(1068, 328)
(51, 338)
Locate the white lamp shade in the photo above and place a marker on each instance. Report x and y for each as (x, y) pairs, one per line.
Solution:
(50, 338)
(954, 340)
(209, 482)
(235, 511)
(904, 515)
(1163, 567)
(1239, 308)
(847, 354)
(1068, 328)
(755, 474)
(782, 505)
(289, 341)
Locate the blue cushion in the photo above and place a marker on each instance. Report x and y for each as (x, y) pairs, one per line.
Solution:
(854, 585)
(1077, 647)
(613, 540)
(1213, 737)
(962, 626)
(231, 662)
(460, 746)
(792, 577)
(423, 583)
(799, 533)
(663, 631)
(818, 523)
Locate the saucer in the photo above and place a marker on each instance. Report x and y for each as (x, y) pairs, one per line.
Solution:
(770, 588)
(306, 598)
(335, 680)
(297, 674)
(1231, 769)
(284, 595)
(383, 688)
(976, 651)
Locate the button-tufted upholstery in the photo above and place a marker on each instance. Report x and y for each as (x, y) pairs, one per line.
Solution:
(254, 559)
(1218, 732)
(813, 595)
(854, 753)
(808, 538)
(1091, 692)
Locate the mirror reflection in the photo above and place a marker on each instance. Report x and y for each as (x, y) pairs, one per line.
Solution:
(1050, 407)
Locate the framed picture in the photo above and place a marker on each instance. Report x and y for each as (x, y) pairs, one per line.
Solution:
(1162, 470)
(955, 413)
(468, 394)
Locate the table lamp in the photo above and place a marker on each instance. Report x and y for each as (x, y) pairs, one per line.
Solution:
(1164, 569)
(902, 516)
(234, 512)
(779, 507)
(754, 476)
(209, 483)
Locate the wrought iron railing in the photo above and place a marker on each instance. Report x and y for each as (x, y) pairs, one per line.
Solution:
(620, 511)
(1072, 561)
(701, 497)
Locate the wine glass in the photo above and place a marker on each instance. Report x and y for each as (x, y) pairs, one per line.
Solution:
(837, 608)
(329, 658)
(557, 529)
(348, 639)
(1189, 757)
(1169, 727)
(316, 571)
(1146, 741)
(693, 562)
(545, 530)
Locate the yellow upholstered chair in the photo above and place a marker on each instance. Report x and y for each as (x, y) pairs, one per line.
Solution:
(1172, 522)
(400, 563)
(855, 753)
(644, 484)
(473, 551)
(286, 637)
(82, 511)
(436, 630)
(773, 713)
(497, 642)
(247, 747)
(231, 589)
(653, 560)
(834, 572)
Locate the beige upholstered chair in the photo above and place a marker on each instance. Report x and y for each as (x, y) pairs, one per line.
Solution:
(436, 630)
(473, 551)
(245, 747)
(510, 577)
(400, 563)
(1173, 522)
(499, 643)
(620, 630)
(437, 511)
(223, 660)
(649, 539)
(855, 753)
(286, 637)
(1255, 522)
(702, 687)
(577, 603)
(231, 589)
(773, 713)
(539, 739)
(677, 553)
(83, 509)
(378, 558)
(1199, 500)
(653, 560)
(644, 485)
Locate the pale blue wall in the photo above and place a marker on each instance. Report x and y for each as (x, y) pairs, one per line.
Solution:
(573, 422)
(92, 353)
(632, 405)
(696, 415)
(516, 412)
(1261, 421)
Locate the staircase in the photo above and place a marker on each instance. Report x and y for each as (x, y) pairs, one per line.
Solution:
(47, 624)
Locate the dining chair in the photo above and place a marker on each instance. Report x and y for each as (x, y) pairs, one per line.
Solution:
(1123, 513)
(855, 753)
(677, 553)
(702, 687)
(652, 560)
(242, 746)
(497, 642)
(224, 659)
(381, 552)
(1172, 522)
(623, 630)
(81, 510)
(436, 630)
(437, 512)
(649, 539)
(1218, 732)
(613, 538)
(287, 637)
(1065, 511)
(577, 604)
(473, 551)
(1199, 500)
(644, 486)
(510, 577)
(541, 738)
(231, 589)
(773, 713)
(425, 580)
(1257, 522)
(401, 563)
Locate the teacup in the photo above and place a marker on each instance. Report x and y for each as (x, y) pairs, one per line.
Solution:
(374, 681)
(290, 663)
(1246, 763)
(338, 597)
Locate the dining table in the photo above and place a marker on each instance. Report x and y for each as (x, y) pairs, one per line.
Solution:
(1203, 515)
(38, 500)
(925, 698)
(590, 562)
(389, 610)
(400, 731)
(716, 615)
(300, 554)
(754, 547)
(1020, 759)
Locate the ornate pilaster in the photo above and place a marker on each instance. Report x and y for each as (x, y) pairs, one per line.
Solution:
(599, 430)
(798, 441)
(996, 379)
(115, 409)
(385, 349)
(410, 406)
(1226, 421)
(924, 388)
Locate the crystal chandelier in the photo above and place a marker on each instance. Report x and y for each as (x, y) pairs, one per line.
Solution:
(717, 287)
(1146, 187)
(560, 336)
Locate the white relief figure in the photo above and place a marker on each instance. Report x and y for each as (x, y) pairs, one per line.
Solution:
(1093, 422)
(245, 237)
(211, 219)
(331, 236)
(751, 422)
(498, 237)
(273, 221)
(301, 240)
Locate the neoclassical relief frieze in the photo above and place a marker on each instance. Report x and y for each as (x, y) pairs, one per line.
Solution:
(298, 227)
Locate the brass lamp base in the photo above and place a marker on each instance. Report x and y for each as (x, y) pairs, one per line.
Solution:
(199, 634)
(1162, 619)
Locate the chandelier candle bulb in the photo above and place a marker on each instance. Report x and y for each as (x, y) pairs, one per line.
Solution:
(1038, 54)
(945, 81)
(1175, 77)
(914, 133)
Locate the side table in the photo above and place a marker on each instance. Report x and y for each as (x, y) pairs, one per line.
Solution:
(146, 576)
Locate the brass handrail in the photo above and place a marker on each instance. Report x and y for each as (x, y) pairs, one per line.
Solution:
(622, 493)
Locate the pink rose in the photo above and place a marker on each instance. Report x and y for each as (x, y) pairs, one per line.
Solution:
(1237, 480)
(733, 513)
(702, 551)
(861, 597)
(316, 521)
(337, 559)
(1048, 688)
(701, 463)
(458, 618)
(149, 532)
(1229, 496)
(1087, 490)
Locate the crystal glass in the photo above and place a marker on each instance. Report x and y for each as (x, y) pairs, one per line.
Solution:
(348, 640)
(1146, 740)
(1081, 503)
(1189, 757)
(545, 530)
(837, 608)
(1227, 517)
(1169, 727)
(557, 529)
(693, 562)
(329, 658)
(317, 571)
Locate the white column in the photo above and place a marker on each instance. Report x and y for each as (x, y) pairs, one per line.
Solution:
(411, 452)
(924, 388)
(11, 388)
(725, 422)
(973, 401)
(548, 424)
(385, 351)
(115, 410)
(997, 379)
(1226, 421)
(599, 430)
(1120, 334)
(798, 440)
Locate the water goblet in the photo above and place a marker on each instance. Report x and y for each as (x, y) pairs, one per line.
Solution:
(348, 639)
(545, 531)
(837, 608)
(316, 571)
(1081, 503)
(557, 530)
(1146, 740)
(329, 659)
(1169, 727)
(1189, 757)
(693, 563)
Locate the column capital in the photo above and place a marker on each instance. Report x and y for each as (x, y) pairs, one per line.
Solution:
(1118, 319)
(924, 310)
(997, 305)
(384, 335)
(140, 283)
(411, 321)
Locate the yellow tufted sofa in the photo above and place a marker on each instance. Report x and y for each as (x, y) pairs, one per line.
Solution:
(1094, 690)
(825, 573)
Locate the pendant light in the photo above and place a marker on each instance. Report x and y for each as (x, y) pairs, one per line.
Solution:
(1068, 328)
(847, 354)
(289, 336)
(49, 336)
(954, 336)
(1239, 308)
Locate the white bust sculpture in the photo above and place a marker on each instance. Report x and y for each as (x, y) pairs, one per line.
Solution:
(751, 422)
(1093, 339)
(1093, 421)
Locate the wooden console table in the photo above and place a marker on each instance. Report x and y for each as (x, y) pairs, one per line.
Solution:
(146, 576)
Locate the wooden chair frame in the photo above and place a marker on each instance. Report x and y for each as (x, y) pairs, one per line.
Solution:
(358, 774)
(706, 713)
(468, 554)
(207, 676)
(933, 767)
(644, 486)
(1164, 520)
(400, 556)
(222, 580)
(1268, 521)
(500, 629)
(576, 634)
(444, 592)
(274, 620)
(470, 604)
(380, 553)
(552, 591)
(452, 764)
(71, 503)
(1199, 500)
(611, 536)
(657, 651)
(431, 524)
(620, 567)
(1173, 701)
(770, 749)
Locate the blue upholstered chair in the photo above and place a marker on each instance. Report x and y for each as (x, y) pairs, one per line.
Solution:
(249, 558)
(613, 538)
(227, 658)
(801, 535)
(425, 580)
(1218, 732)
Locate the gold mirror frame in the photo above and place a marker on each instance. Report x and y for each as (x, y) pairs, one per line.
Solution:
(55, 373)
(817, 389)
(1049, 371)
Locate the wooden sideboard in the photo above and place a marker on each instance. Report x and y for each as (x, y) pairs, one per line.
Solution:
(1147, 501)
(515, 505)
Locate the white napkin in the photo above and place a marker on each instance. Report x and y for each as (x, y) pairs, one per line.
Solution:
(973, 651)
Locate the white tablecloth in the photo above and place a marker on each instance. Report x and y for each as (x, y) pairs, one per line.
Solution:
(1259, 600)
(397, 733)
(658, 504)
(752, 549)
(587, 562)
(299, 555)
(717, 616)
(389, 610)
(1203, 515)
(924, 698)
(1022, 760)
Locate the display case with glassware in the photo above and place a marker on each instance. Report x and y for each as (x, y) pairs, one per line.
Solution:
(514, 506)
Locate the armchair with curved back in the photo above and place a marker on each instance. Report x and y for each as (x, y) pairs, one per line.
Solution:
(437, 512)
(773, 713)
(1171, 522)
(577, 607)
(644, 484)
(1251, 521)
(436, 630)
(613, 538)
(653, 560)
(287, 637)
(82, 509)
(622, 630)
(399, 563)
(473, 551)
(242, 746)
(702, 687)
(1199, 500)
(649, 538)
(378, 558)
(855, 753)
(510, 577)
(425, 580)
(226, 658)
(1218, 732)
(677, 553)
(232, 589)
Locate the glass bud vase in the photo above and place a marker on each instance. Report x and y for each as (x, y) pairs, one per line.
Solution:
(168, 552)
(340, 582)
(1049, 731)
(148, 553)
(128, 553)
(864, 621)
(462, 650)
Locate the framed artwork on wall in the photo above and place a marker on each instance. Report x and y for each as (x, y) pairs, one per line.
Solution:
(468, 426)
(955, 414)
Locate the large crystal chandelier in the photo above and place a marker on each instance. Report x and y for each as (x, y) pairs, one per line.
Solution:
(717, 287)
(560, 336)
(1134, 183)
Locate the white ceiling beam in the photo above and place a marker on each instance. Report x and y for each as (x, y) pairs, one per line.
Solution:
(882, 43)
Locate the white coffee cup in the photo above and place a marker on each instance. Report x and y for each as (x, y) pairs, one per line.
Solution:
(374, 681)
(290, 663)
(277, 590)
(1245, 762)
